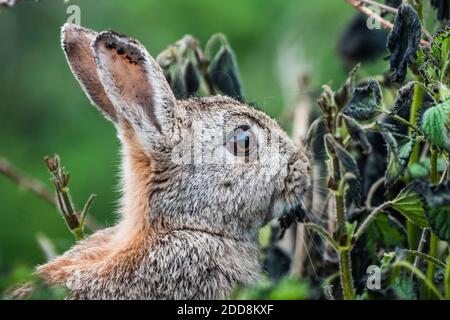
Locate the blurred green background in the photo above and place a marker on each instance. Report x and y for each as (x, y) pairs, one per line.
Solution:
(43, 110)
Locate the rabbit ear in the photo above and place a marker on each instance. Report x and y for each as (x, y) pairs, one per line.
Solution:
(76, 42)
(135, 84)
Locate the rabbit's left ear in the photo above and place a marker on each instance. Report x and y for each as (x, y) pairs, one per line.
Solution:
(136, 86)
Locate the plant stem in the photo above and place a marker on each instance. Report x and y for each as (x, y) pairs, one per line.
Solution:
(345, 267)
(426, 257)
(433, 238)
(413, 232)
(365, 224)
(321, 232)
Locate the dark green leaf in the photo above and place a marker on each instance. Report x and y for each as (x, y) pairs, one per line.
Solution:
(404, 98)
(383, 232)
(397, 157)
(409, 203)
(177, 82)
(365, 103)
(434, 124)
(191, 79)
(358, 134)
(403, 41)
(348, 165)
(344, 93)
(437, 210)
(224, 73)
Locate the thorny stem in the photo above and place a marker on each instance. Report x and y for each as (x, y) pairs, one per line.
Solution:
(345, 267)
(365, 224)
(60, 179)
(425, 257)
(372, 191)
(321, 232)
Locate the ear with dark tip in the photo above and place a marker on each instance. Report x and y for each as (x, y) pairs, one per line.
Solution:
(135, 84)
(76, 42)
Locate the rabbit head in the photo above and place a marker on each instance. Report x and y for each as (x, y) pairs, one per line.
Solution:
(211, 164)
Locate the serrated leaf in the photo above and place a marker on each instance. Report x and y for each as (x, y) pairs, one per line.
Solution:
(224, 73)
(365, 103)
(358, 134)
(437, 210)
(404, 98)
(403, 41)
(434, 124)
(408, 202)
(348, 165)
(385, 233)
(344, 93)
(397, 157)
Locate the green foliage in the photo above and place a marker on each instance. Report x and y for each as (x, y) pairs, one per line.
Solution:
(408, 203)
(435, 121)
(437, 205)
(365, 103)
(358, 134)
(224, 73)
(383, 232)
(285, 289)
(397, 157)
(403, 41)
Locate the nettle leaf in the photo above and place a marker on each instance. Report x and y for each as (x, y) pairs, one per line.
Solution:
(437, 210)
(403, 41)
(397, 157)
(344, 93)
(409, 203)
(433, 60)
(443, 9)
(383, 232)
(358, 134)
(183, 79)
(404, 98)
(434, 124)
(224, 74)
(365, 103)
(349, 165)
(191, 78)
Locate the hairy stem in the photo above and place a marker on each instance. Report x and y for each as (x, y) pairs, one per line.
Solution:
(413, 232)
(345, 267)
(365, 224)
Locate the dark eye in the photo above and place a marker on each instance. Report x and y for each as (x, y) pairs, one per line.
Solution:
(242, 142)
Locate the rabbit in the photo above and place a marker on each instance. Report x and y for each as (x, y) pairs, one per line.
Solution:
(199, 178)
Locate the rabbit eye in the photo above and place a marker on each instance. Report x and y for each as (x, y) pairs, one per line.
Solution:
(242, 142)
